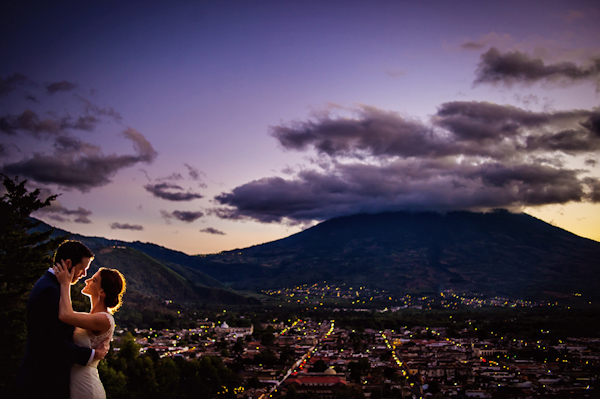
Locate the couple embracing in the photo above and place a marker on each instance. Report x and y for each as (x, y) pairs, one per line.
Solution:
(64, 347)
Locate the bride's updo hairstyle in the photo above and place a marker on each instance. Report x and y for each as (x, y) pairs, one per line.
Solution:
(113, 284)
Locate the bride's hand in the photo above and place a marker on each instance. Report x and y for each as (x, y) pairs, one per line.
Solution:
(102, 349)
(61, 272)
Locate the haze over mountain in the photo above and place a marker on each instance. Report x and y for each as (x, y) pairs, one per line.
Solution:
(496, 253)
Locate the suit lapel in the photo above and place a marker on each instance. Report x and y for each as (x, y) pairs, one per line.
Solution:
(67, 328)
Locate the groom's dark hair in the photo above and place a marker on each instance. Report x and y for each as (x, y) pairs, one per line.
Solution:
(73, 250)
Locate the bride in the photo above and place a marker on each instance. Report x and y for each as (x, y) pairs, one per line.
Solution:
(105, 289)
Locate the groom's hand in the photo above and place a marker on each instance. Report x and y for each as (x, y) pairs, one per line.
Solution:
(102, 350)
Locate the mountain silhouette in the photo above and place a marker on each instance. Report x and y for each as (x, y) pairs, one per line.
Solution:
(496, 253)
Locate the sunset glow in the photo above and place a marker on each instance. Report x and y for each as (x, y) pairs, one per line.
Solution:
(210, 126)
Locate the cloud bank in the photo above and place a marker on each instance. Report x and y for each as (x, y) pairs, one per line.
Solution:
(80, 165)
(68, 160)
(469, 155)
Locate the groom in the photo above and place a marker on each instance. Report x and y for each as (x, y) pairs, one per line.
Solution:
(50, 352)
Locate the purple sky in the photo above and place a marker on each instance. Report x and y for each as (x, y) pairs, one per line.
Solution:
(214, 125)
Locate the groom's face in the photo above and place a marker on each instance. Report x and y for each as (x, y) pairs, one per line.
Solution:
(81, 269)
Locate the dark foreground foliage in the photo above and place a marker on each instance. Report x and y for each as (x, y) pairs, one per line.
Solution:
(23, 258)
(128, 374)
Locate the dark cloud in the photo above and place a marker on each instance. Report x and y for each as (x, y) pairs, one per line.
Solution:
(373, 132)
(403, 185)
(67, 159)
(594, 185)
(458, 128)
(79, 165)
(91, 115)
(171, 192)
(195, 175)
(472, 45)
(6, 126)
(56, 211)
(184, 216)
(57, 218)
(210, 230)
(514, 67)
(500, 132)
(569, 141)
(486, 41)
(175, 176)
(10, 83)
(472, 155)
(170, 187)
(30, 122)
(73, 146)
(187, 216)
(94, 109)
(126, 226)
(533, 184)
(63, 85)
(81, 215)
(144, 149)
(593, 123)
(85, 122)
(193, 172)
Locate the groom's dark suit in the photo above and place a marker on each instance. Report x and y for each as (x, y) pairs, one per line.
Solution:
(50, 352)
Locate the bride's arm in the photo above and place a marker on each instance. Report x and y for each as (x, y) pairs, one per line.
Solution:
(89, 321)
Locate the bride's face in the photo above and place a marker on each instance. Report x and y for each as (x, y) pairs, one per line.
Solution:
(92, 285)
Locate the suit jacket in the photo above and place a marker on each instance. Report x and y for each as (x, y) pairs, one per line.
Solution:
(50, 351)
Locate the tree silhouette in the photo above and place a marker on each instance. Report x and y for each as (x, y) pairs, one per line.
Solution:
(24, 255)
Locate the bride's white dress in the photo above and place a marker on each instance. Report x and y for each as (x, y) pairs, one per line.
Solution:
(85, 382)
